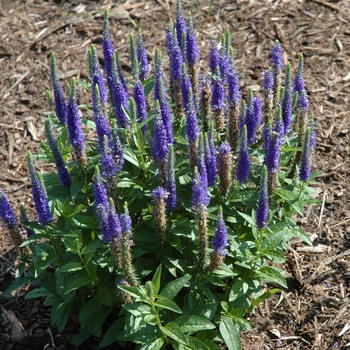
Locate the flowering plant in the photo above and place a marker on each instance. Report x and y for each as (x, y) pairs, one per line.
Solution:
(170, 210)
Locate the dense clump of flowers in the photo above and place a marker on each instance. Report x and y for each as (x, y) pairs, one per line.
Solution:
(60, 102)
(39, 193)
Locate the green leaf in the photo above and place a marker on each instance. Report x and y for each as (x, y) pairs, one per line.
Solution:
(60, 312)
(248, 218)
(90, 308)
(19, 282)
(37, 293)
(264, 296)
(302, 235)
(229, 333)
(113, 332)
(76, 284)
(192, 324)
(138, 309)
(104, 296)
(171, 290)
(77, 210)
(165, 303)
(133, 291)
(173, 331)
(75, 188)
(271, 274)
(154, 344)
(156, 280)
(70, 267)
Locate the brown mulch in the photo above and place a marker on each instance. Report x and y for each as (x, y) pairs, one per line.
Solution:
(313, 313)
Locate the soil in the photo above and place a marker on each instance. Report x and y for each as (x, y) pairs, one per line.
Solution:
(313, 313)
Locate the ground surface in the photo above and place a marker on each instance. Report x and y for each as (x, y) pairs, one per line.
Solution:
(312, 316)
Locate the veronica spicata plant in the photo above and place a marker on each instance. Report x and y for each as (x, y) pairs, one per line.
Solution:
(165, 228)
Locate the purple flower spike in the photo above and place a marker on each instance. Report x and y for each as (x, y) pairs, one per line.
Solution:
(201, 164)
(272, 148)
(214, 57)
(276, 55)
(192, 128)
(125, 221)
(210, 158)
(268, 81)
(180, 24)
(263, 202)
(141, 105)
(117, 147)
(60, 102)
(225, 167)
(160, 95)
(108, 165)
(102, 127)
(39, 193)
(76, 135)
(160, 147)
(142, 58)
(192, 49)
(224, 62)
(218, 93)
(186, 85)
(63, 173)
(119, 94)
(287, 100)
(219, 242)
(257, 106)
(250, 118)
(200, 195)
(170, 181)
(243, 163)
(305, 165)
(114, 227)
(96, 75)
(312, 133)
(6, 213)
(303, 101)
(299, 83)
(234, 92)
(175, 55)
(108, 49)
(100, 192)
